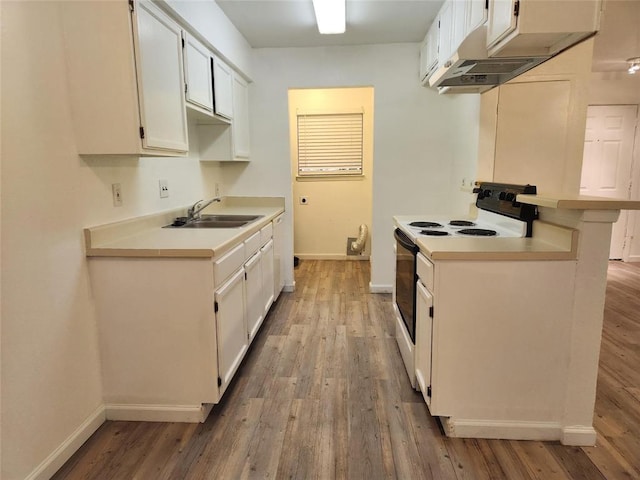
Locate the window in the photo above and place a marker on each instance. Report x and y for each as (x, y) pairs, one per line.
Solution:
(330, 144)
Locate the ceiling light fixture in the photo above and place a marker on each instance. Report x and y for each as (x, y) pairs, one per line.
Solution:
(634, 65)
(330, 15)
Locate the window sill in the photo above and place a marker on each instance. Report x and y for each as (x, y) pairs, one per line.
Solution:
(316, 178)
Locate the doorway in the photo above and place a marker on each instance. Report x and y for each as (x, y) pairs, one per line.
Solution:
(331, 201)
(607, 163)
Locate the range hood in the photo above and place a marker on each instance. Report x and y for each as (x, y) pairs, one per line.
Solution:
(470, 70)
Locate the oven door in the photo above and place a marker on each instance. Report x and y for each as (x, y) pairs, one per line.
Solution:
(406, 278)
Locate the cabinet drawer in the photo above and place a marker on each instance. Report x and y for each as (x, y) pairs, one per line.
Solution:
(266, 233)
(425, 271)
(252, 245)
(227, 264)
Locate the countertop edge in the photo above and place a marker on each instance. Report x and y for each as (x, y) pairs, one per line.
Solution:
(578, 202)
(96, 251)
(502, 256)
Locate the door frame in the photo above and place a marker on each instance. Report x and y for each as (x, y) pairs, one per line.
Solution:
(634, 183)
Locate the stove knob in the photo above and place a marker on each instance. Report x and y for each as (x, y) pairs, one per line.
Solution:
(502, 196)
(487, 193)
(510, 197)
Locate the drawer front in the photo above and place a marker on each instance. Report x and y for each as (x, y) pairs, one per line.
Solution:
(252, 245)
(227, 264)
(425, 271)
(266, 233)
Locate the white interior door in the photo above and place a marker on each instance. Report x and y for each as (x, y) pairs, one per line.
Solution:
(607, 161)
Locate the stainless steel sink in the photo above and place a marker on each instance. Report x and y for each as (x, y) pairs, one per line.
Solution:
(218, 221)
(229, 218)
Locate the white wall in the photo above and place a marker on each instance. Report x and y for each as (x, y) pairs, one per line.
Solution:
(422, 141)
(51, 380)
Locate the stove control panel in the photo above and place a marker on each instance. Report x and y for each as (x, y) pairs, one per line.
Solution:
(501, 198)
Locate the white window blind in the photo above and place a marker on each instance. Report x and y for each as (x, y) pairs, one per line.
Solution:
(330, 144)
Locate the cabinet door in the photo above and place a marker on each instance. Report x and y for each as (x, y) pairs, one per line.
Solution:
(240, 122)
(424, 324)
(476, 14)
(253, 294)
(197, 70)
(502, 20)
(160, 79)
(458, 24)
(432, 48)
(222, 87)
(231, 328)
(445, 32)
(278, 259)
(429, 52)
(267, 275)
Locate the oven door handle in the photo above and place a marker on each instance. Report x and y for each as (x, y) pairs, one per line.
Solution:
(405, 241)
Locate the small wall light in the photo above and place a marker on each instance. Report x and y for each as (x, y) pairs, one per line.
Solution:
(634, 65)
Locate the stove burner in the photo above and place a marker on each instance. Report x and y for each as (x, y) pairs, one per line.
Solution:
(425, 224)
(434, 233)
(461, 223)
(477, 232)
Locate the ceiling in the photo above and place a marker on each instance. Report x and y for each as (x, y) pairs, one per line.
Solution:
(291, 23)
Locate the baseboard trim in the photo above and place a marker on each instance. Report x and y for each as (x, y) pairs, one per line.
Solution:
(66, 449)
(158, 413)
(578, 436)
(291, 287)
(633, 258)
(505, 430)
(380, 288)
(328, 256)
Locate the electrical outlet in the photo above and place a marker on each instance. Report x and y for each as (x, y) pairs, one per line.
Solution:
(116, 192)
(164, 188)
(304, 200)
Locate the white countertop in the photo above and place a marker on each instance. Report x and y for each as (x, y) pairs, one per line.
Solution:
(549, 242)
(578, 202)
(146, 237)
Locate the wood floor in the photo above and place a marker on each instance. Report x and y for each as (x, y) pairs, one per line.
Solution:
(323, 394)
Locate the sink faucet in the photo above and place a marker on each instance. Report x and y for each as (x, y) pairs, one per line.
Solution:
(193, 213)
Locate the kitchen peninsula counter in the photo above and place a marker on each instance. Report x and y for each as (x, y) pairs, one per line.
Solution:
(146, 237)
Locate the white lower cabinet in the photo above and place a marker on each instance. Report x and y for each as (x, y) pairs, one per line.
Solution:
(174, 331)
(253, 294)
(424, 328)
(267, 275)
(231, 328)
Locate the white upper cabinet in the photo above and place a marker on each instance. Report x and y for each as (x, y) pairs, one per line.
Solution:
(124, 65)
(223, 87)
(240, 122)
(476, 14)
(445, 31)
(520, 28)
(429, 52)
(502, 19)
(456, 19)
(160, 77)
(197, 72)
